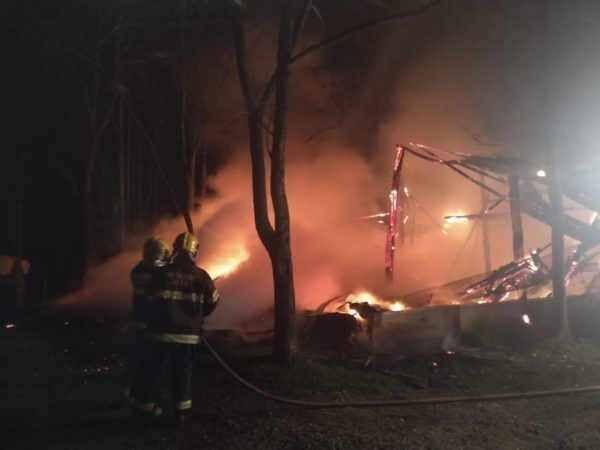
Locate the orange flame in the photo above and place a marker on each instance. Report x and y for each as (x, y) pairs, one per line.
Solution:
(226, 263)
(373, 300)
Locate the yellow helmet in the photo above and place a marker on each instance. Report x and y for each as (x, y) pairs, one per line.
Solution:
(186, 242)
(156, 248)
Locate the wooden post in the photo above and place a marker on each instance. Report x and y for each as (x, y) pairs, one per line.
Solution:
(515, 216)
(514, 194)
(390, 245)
(553, 177)
(558, 244)
(485, 228)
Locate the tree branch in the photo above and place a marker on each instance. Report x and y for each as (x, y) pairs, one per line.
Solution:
(270, 87)
(361, 27)
(298, 26)
(154, 151)
(324, 130)
(200, 138)
(242, 62)
(266, 95)
(259, 191)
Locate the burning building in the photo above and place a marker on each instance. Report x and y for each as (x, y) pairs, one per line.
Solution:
(528, 276)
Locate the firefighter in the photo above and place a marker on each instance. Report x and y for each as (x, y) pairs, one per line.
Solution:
(156, 254)
(181, 294)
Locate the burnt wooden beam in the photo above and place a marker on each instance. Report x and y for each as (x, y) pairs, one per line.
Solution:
(533, 204)
(515, 216)
(485, 228)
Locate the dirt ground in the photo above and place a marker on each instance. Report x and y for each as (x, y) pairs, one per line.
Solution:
(59, 392)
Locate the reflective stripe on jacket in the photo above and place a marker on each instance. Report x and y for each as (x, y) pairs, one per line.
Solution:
(180, 296)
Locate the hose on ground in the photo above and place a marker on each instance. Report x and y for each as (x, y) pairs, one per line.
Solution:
(396, 402)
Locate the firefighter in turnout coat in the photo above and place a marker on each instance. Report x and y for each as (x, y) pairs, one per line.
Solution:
(180, 295)
(156, 254)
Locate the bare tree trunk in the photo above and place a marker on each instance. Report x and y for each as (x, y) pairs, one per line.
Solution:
(99, 115)
(121, 126)
(128, 167)
(121, 183)
(20, 282)
(285, 339)
(554, 180)
(203, 172)
(191, 182)
(87, 206)
(189, 161)
(255, 134)
(276, 239)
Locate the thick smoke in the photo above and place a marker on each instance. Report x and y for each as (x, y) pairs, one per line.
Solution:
(335, 252)
(454, 93)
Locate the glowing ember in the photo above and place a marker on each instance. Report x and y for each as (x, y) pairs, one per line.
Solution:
(8, 326)
(455, 217)
(363, 297)
(374, 216)
(354, 298)
(225, 264)
(572, 269)
(397, 306)
(347, 309)
(373, 300)
(501, 299)
(526, 319)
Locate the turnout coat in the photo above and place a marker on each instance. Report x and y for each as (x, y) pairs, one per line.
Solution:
(180, 295)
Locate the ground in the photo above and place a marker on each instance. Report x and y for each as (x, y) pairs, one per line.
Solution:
(59, 392)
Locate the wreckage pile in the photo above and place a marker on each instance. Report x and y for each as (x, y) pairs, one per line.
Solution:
(443, 313)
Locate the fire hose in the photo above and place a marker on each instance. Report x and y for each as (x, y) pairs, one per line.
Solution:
(395, 402)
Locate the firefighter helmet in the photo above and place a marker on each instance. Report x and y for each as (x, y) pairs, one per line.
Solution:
(186, 242)
(156, 248)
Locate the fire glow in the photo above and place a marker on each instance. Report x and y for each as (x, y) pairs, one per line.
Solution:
(372, 300)
(227, 263)
(455, 217)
